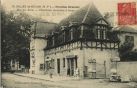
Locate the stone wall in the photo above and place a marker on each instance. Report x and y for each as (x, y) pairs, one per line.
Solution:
(125, 69)
(100, 56)
(83, 56)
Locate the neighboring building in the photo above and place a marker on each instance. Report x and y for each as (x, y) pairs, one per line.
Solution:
(14, 64)
(127, 34)
(128, 52)
(10, 65)
(86, 41)
(37, 45)
(128, 41)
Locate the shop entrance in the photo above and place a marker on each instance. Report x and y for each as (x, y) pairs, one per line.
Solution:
(71, 65)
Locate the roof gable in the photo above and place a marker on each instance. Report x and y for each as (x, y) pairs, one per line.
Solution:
(88, 15)
(102, 21)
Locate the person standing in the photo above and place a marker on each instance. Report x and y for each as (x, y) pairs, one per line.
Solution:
(50, 72)
(77, 73)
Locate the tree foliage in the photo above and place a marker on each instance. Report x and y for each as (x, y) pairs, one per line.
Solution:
(127, 53)
(15, 34)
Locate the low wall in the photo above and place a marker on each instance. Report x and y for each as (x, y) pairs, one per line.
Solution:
(128, 69)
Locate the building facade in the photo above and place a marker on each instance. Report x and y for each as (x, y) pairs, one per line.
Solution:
(37, 45)
(127, 52)
(84, 41)
(37, 55)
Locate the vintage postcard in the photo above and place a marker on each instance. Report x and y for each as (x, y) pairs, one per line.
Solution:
(68, 44)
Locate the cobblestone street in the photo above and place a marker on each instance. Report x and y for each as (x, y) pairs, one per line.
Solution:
(14, 81)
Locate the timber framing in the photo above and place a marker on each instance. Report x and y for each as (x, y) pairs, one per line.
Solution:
(86, 35)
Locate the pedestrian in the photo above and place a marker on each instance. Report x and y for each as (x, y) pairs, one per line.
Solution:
(77, 73)
(68, 71)
(50, 72)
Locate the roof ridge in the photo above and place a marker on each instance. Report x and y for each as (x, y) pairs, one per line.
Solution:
(45, 22)
(86, 14)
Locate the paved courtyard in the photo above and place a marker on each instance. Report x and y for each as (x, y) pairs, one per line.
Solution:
(16, 81)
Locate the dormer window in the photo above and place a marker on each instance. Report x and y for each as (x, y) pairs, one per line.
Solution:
(73, 23)
(98, 35)
(100, 32)
(104, 34)
(63, 27)
(71, 33)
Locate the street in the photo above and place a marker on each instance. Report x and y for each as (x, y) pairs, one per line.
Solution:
(14, 81)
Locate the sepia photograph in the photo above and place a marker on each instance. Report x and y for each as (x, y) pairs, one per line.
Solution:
(68, 44)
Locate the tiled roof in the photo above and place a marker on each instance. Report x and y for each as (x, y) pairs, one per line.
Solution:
(43, 28)
(125, 29)
(88, 14)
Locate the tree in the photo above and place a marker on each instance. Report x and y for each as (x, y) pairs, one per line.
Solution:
(126, 52)
(15, 33)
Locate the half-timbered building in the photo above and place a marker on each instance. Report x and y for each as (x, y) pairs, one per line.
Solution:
(85, 41)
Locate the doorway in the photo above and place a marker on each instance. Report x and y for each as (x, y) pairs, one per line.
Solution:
(58, 66)
(71, 65)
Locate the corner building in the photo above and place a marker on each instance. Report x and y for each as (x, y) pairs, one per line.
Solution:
(85, 41)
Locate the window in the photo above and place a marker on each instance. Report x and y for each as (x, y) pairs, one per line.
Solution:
(129, 39)
(33, 62)
(98, 34)
(41, 66)
(67, 35)
(76, 62)
(47, 65)
(71, 33)
(33, 55)
(53, 40)
(104, 34)
(52, 63)
(13, 65)
(63, 62)
(63, 36)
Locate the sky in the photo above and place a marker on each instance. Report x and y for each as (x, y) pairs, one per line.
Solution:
(56, 16)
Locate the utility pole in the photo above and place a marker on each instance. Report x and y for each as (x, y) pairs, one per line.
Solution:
(105, 68)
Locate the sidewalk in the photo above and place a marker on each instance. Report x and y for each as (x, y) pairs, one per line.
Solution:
(47, 77)
(63, 82)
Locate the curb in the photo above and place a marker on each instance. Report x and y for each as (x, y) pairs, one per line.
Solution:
(33, 77)
(59, 85)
